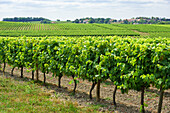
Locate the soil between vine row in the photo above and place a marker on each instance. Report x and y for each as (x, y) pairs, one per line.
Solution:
(126, 103)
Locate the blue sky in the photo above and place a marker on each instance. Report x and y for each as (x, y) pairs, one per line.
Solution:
(72, 9)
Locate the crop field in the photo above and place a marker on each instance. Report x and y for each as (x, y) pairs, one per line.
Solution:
(152, 30)
(129, 63)
(69, 29)
(131, 58)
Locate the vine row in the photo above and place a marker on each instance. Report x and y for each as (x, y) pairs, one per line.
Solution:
(130, 63)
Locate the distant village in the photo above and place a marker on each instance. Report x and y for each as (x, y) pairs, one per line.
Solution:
(87, 20)
(137, 20)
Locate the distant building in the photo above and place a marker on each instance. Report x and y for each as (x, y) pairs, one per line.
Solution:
(111, 20)
(135, 23)
(86, 21)
(132, 20)
(53, 22)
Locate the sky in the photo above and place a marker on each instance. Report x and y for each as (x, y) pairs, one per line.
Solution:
(72, 9)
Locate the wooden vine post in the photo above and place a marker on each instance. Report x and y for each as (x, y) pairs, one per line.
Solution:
(44, 78)
(160, 99)
(142, 99)
(59, 80)
(75, 84)
(114, 96)
(98, 91)
(37, 73)
(12, 71)
(32, 74)
(92, 87)
(4, 68)
(22, 71)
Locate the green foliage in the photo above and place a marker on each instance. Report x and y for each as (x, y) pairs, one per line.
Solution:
(25, 19)
(130, 63)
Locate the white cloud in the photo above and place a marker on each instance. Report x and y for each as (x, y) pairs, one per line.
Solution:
(71, 9)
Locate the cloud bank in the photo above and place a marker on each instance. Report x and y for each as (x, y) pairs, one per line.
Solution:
(72, 9)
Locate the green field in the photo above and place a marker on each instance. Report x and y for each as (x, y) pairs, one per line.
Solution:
(28, 97)
(134, 59)
(67, 29)
(71, 29)
(129, 63)
(152, 30)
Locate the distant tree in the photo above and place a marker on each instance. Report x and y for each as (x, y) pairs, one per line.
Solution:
(157, 18)
(45, 22)
(107, 20)
(167, 19)
(164, 22)
(120, 20)
(25, 19)
(142, 21)
(163, 19)
(114, 20)
(152, 17)
(81, 20)
(96, 20)
(152, 21)
(76, 21)
(58, 20)
(101, 20)
(126, 21)
(68, 20)
(91, 20)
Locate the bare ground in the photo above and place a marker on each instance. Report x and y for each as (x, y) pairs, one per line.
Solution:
(141, 33)
(126, 103)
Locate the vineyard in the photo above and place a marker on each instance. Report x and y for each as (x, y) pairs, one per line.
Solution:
(152, 30)
(30, 29)
(129, 63)
(71, 29)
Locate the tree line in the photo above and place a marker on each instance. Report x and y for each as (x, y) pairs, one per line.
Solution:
(146, 20)
(94, 20)
(137, 20)
(27, 19)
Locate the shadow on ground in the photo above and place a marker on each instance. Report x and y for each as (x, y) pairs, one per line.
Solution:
(103, 105)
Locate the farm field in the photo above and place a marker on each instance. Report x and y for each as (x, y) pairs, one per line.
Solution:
(84, 56)
(71, 29)
(68, 29)
(128, 63)
(152, 30)
(132, 60)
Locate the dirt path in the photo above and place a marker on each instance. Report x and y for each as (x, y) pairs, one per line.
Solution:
(126, 103)
(141, 33)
